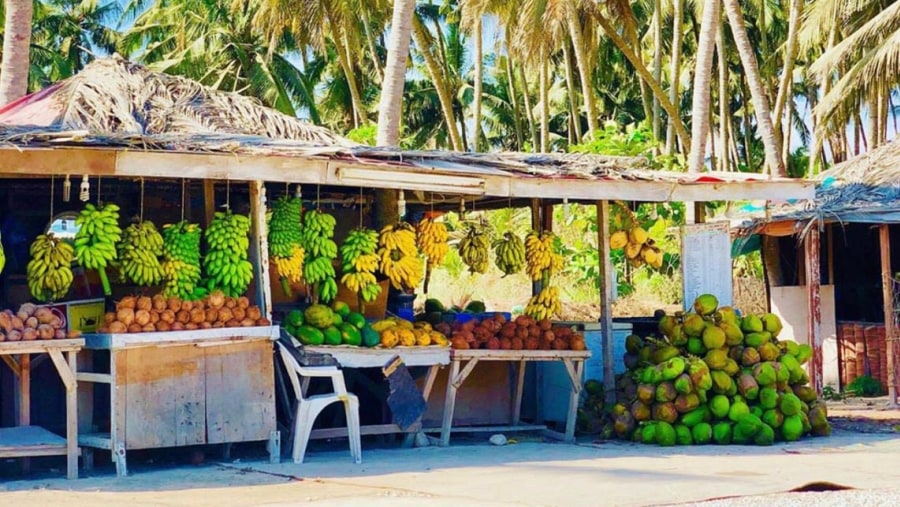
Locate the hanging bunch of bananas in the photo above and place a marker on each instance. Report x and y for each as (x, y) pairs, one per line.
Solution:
(321, 250)
(431, 238)
(96, 239)
(139, 253)
(49, 272)
(225, 262)
(181, 261)
(2, 257)
(474, 249)
(359, 259)
(541, 256)
(285, 245)
(400, 260)
(546, 305)
(509, 253)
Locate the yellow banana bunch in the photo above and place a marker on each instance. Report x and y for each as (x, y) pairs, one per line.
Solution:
(360, 260)
(96, 239)
(546, 305)
(431, 238)
(321, 250)
(181, 261)
(285, 240)
(510, 254)
(399, 256)
(49, 272)
(541, 255)
(139, 253)
(474, 249)
(225, 263)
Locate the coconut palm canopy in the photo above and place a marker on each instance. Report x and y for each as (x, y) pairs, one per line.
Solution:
(114, 96)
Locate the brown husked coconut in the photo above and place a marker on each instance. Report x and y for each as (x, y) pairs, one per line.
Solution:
(212, 315)
(217, 325)
(263, 322)
(22, 315)
(243, 302)
(56, 322)
(118, 327)
(126, 302)
(135, 328)
(254, 312)
(183, 316)
(159, 303)
(149, 328)
(28, 308)
(32, 322)
(6, 321)
(14, 336)
(230, 303)
(239, 313)
(205, 325)
(187, 305)
(59, 334)
(233, 323)
(154, 316)
(190, 326)
(30, 334)
(73, 333)
(125, 316)
(199, 305)
(174, 304)
(144, 303)
(198, 316)
(177, 326)
(109, 317)
(225, 314)
(44, 315)
(2, 336)
(248, 323)
(163, 326)
(167, 316)
(45, 332)
(18, 323)
(142, 318)
(216, 299)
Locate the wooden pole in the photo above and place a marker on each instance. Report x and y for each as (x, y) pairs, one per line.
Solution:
(209, 201)
(814, 313)
(606, 290)
(887, 287)
(259, 247)
(536, 224)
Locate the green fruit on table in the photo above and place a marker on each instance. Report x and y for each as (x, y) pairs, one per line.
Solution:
(336, 320)
(332, 335)
(356, 319)
(341, 308)
(319, 316)
(350, 335)
(309, 335)
(370, 337)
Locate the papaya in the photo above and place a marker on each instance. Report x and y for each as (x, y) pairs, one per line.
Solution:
(319, 316)
(350, 335)
(294, 318)
(336, 320)
(332, 335)
(370, 337)
(309, 335)
(433, 305)
(356, 319)
(341, 308)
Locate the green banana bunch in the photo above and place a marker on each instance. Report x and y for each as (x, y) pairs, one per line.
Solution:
(225, 263)
(474, 249)
(96, 239)
(139, 253)
(49, 272)
(510, 254)
(321, 250)
(359, 262)
(181, 261)
(285, 241)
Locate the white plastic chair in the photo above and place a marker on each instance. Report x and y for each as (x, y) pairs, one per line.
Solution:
(309, 407)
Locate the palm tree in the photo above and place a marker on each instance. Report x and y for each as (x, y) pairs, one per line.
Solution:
(702, 78)
(674, 69)
(424, 43)
(391, 103)
(16, 49)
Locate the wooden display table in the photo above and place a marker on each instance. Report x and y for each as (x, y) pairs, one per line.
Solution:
(179, 388)
(572, 360)
(25, 440)
(360, 357)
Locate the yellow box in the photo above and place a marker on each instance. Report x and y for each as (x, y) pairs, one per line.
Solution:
(85, 315)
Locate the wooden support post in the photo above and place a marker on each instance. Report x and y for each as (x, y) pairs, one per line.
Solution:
(606, 291)
(209, 202)
(536, 224)
(887, 288)
(814, 309)
(259, 247)
(25, 390)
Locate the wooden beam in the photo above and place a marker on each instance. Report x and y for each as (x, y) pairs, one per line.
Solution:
(209, 202)
(785, 228)
(887, 290)
(606, 291)
(814, 308)
(47, 161)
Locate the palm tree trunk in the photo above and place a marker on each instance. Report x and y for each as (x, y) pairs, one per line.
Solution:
(820, 134)
(642, 71)
(674, 70)
(16, 46)
(340, 43)
(771, 142)
(575, 131)
(514, 99)
(479, 77)
(370, 40)
(724, 110)
(788, 134)
(702, 78)
(657, 65)
(390, 106)
(437, 76)
(746, 120)
(545, 99)
(529, 111)
(584, 69)
(790, 56)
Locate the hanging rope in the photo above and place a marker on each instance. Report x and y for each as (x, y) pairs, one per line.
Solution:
(142, 199)
(360, 207)
(318, 200)
(99, 180)
(227, 194)
(52, 191)
(183, 194)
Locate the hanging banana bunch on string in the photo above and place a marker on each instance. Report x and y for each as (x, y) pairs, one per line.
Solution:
(225, 263)
(49, 272)
(475, 248)
(321, 250)
(96, 239)
(181, 261)
(509, 253)
(285, 241)
(400, 260)
(359, 262)
(431, 238)
(139, 254)
(542, 258)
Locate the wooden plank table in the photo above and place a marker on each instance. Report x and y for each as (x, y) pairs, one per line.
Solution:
(26, 440)
(360, 357)
(180, 388)
(573, 361)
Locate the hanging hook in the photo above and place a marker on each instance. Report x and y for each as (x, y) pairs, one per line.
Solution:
(84, 193)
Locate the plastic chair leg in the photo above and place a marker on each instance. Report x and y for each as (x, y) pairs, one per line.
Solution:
(351, 408)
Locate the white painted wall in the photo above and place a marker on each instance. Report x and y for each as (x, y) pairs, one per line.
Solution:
(789, 303)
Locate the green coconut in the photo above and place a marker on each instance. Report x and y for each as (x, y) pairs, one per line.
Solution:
(764, 373)
(716, 359)
(722, 433)
(768, 398)
(773, 417)
(695, 346)
(719, 406)
(713, 337)
(790, 404)
(683, 435)
(702, 433)
(665, 434)
(696, 416)
(751, 324)
(665, 391)
(664, 412)
(747, 386)
(685, 403)
(694, 325)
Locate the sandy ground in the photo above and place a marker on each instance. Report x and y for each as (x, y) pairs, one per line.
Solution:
(527, 473)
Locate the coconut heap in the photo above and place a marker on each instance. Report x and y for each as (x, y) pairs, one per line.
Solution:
(715, 377)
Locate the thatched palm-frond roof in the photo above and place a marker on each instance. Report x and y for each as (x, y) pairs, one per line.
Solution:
(114, 96)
